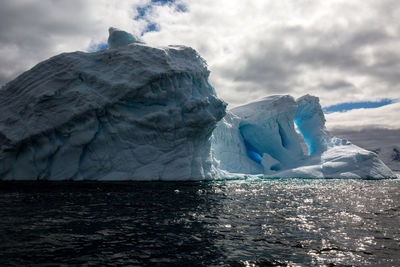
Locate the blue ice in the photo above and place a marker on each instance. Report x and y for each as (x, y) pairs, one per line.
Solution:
(118, 38)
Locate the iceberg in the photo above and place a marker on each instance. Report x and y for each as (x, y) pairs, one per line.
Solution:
(140, 112)
(261, 138)
(381, 141)
(132, 111)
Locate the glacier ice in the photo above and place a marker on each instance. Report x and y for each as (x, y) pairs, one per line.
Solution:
(136, 112)
(310, 121)
(140, 112)
(260, 138)
(118, 38)
(265, 126)
(384, 142)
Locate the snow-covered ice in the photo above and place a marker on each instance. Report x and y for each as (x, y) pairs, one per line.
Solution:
(135, 111)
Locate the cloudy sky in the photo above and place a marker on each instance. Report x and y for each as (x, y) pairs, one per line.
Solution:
(342, 51)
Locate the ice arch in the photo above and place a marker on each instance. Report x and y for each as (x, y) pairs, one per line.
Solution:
(258, 137)
(310, 121)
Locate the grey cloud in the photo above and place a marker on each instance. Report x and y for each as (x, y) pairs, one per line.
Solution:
(277, 68)
(31, 27)
(270, 68)
(31, 31)
(386, 68)
(352, 50)
(337, 85)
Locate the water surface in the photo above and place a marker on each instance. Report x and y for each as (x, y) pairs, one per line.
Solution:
(238, 223)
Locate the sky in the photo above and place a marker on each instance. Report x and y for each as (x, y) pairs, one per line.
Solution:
(341, 51)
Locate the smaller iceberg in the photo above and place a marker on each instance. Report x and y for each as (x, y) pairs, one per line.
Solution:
(260, 138)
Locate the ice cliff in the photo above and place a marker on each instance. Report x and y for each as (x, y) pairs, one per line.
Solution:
(134, 111)
(260, 138)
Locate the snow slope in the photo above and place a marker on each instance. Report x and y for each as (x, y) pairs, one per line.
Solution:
(260, 139)
(129, 112)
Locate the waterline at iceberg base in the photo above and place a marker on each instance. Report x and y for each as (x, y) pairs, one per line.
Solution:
(138, 112)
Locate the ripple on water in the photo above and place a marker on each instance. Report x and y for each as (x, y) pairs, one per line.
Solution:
(240, 223)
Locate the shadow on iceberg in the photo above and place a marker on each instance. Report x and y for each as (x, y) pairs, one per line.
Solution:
(132, 111)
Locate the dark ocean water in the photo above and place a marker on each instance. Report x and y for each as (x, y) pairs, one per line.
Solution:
(225, 223)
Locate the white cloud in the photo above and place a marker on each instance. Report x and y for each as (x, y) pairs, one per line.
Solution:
(386, 117)
(31, 31)
(339, 50)
(255, 48)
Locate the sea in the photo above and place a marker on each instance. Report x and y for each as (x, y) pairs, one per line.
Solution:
(251, 222)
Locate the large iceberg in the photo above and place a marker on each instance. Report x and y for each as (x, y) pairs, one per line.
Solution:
(132, 111)
(138, 112)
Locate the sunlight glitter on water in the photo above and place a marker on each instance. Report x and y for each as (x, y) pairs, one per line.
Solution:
(273, 221)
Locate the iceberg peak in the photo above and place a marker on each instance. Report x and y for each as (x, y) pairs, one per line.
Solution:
(118, 38)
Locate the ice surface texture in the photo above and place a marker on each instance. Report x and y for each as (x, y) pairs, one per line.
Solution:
(118, 38)
(136, 112)
(260, 139)
(139, 112)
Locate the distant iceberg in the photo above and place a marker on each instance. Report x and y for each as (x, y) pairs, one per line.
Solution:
(138, 112)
